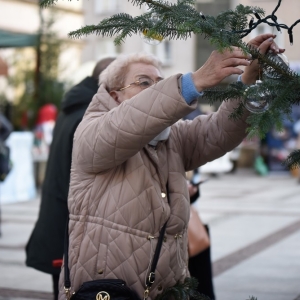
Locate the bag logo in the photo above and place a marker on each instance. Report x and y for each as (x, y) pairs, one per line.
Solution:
(102, 296)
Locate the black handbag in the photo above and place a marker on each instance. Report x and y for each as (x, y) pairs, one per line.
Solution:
(109, 289)
(105, 289)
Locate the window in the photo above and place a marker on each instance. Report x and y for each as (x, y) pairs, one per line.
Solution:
(163, 51)
(106, 47)
(106, 6)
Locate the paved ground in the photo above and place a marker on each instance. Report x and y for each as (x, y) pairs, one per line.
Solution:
(255, 232)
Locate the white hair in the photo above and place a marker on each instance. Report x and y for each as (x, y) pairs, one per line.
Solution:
(114, 75)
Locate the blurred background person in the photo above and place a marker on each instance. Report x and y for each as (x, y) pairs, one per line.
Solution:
(297, 131)
(200, 265)
(279, 144)
(44, 250)
(43, 134)
(5, 130)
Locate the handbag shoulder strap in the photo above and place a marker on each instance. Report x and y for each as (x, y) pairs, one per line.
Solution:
(67, 285)
(151, 277)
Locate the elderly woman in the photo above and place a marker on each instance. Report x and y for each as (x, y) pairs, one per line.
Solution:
(128, 150)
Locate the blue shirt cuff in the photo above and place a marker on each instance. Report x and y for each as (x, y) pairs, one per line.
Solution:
(188, 89)
(239, 79)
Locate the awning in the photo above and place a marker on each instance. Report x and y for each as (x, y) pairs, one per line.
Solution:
(12, 40)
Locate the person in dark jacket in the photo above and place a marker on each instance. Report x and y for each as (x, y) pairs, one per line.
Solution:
(5, 130)
(200, 265)
(44, 250)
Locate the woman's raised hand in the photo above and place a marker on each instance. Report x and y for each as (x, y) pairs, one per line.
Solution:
(218, 66)
(265, 43)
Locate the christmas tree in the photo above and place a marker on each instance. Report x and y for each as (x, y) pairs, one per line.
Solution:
(279, 88)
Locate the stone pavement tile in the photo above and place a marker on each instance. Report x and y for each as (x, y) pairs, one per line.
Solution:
(235, 232)
(14, 298)
(21, 211)
(240, 209)
(253, 224)
(11, 256)
(15, 234)
(240, 295)
(272, 274)
(9, 294)
(20, 277)
(17, 281)
(248, 185)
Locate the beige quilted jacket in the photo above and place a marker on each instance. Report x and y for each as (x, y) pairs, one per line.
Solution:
(117, 181)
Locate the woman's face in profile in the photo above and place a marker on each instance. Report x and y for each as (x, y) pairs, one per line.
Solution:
(139, 77)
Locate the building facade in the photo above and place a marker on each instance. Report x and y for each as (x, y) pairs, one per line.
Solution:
(178, 56)
(20, 21)
(182, 55)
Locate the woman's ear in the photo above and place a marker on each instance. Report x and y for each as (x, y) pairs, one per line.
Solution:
(114, 94)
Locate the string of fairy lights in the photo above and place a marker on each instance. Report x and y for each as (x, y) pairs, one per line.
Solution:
(270, 20)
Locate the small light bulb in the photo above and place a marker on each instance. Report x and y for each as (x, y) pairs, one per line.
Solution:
(151, 39)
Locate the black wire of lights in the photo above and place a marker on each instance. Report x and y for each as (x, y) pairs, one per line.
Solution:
(271, 20)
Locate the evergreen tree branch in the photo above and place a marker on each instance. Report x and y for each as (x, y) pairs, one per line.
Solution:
(180, 20)
(183, 291)
(293, 160)
(46, 3)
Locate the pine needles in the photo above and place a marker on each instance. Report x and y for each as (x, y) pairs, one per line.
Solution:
(180, 20)
(183, 291)
(46, 3)
(293, 160)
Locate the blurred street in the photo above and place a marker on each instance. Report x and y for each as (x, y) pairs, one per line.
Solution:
(255, 234)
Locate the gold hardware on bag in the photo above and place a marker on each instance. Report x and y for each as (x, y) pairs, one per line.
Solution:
(150, 237)
(177, 236)
(163, 195)
(103, 296)
(151, 277)
(146, 293)
(67, 292)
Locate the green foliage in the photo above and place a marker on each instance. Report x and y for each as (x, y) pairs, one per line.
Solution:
(180, 20)
(293, 160)
(285, 92)
(45, 3)
(45, 89)
(183, 291)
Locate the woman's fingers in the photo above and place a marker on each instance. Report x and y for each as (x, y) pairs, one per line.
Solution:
(256, 42)
(268, 44)
(231, 71)
(236, 52)
(235, 62)
(219, 66)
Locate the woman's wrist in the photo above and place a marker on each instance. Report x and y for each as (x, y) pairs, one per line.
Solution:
(248, 79)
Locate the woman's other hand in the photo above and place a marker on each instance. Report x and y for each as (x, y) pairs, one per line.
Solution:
(265, 43)
(192, 189)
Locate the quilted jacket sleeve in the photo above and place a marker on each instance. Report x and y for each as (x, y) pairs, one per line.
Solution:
(105, 140)
(208, 137)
